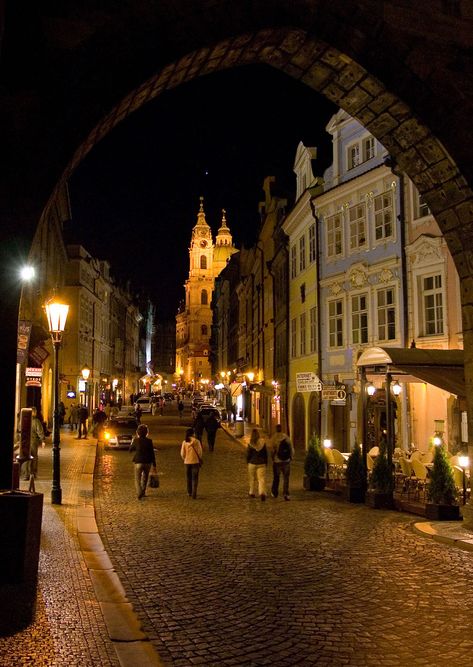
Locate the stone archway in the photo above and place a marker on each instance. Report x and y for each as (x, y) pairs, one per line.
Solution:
(339, 52)
(313, 413)
(298, 423)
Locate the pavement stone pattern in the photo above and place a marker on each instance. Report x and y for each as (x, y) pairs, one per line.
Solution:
(68, 629)
(229, 580)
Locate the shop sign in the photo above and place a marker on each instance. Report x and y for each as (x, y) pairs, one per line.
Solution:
(333, 394)
(33, 377)
(24, 332)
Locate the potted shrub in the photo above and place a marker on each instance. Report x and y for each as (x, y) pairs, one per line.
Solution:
(441, 491)
(355, 476)
(381, 485)
(314, 466)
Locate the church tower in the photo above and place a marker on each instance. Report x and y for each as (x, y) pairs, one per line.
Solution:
(193, 321)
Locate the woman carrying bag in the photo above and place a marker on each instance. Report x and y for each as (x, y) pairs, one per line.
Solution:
(191, 452)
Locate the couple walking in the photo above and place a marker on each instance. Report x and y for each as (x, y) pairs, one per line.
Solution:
(282, 452)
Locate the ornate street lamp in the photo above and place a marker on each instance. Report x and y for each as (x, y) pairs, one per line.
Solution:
(56, 313)
(85, 372)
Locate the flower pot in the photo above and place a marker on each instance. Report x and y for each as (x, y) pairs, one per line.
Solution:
(354, 494)
(436, 512)
(314, 483)
(380, 499)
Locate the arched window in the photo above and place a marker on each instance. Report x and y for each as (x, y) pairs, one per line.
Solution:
(204, 330)
(203, 262)
(204, 297)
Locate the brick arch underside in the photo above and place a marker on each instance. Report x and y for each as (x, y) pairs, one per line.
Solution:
(343, 81)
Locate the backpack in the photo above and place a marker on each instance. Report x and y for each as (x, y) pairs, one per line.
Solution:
(284, 450)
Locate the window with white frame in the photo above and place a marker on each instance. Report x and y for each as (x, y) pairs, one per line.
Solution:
(386, 314)
(334, 235)
(353, 152)
(357, 221)
(302, 334)
(313, 330)
(293, 261)
(420, 207)
(432, 302)
(302, 255)
(294, 337)
(312, 244)
(369, 148)
(383, 216)
(359, 319)
(335, 323)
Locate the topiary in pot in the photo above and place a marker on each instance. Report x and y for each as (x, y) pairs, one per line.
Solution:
(441, 491)
(355, 476)
(381, 485)
(314, 466)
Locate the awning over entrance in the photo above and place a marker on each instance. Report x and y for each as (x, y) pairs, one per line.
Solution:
(442, 368)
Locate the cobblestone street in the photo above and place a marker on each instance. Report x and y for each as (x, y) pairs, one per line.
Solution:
(229, 580)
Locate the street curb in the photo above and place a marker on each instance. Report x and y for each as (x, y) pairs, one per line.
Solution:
(428, 529)
(131, 644)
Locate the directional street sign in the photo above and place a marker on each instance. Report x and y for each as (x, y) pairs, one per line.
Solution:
(333, 394)
(308, 382)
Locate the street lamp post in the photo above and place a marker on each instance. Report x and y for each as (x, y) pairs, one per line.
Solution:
(85, 371)
(57, 315)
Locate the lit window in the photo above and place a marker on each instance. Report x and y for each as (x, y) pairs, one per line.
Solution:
(357, 219)
(312, 244)
(433, 305)
(335, 319)
(353, 156)
(293, 262)
(369, 147)
(302, 321)
(386, 314)
(334, 235)
(383, 216)
(359, 319)
(302, 253)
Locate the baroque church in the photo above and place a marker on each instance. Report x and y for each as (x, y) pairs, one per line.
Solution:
(194, 319)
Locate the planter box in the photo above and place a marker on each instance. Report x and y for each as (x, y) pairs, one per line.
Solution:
(380, 500)
(354, 494)
(314, 483)
(442, 512)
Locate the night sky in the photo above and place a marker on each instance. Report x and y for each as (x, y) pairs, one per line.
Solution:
(135, 198)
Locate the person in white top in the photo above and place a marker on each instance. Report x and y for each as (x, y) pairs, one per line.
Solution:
(191, 453)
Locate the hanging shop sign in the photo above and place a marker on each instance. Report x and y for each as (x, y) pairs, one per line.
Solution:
(33, 377)
(333, 394)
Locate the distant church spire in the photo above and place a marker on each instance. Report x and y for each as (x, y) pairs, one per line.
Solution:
(224, 236)
(201, 230)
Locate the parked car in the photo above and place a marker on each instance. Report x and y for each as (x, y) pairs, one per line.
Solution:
(206, 410)
(145, 403)
(119, 432)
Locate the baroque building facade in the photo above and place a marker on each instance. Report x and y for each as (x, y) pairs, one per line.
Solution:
(194, 319)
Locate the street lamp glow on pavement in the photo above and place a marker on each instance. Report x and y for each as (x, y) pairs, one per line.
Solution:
(56, 313)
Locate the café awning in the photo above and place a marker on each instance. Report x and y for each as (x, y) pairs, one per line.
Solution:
(441, 368)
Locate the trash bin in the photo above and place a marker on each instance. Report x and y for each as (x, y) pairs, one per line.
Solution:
(20, 518)
(239, 428)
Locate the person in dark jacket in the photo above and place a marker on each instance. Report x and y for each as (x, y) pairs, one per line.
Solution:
(211, 426)
(83, 417)
(257, 460)
(199, 427)
(143, 459)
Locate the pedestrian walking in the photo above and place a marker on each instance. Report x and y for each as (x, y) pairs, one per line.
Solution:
(257, 460)
(83, 417)
(180, 407)
(144, 458)
(37, 436)
(199, 427)
(191, 452)
(282, 453)
(107, 409)
(98, 420)
(138, 413)
(211, 426)
(74, 417)
(62, 413)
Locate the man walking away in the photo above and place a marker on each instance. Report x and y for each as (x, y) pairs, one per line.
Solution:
(211, 426)
(180, 407)
(83, 417)
(37, 436)
(282, 453)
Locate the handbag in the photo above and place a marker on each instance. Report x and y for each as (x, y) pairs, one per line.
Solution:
(201, 461)
(153, 480)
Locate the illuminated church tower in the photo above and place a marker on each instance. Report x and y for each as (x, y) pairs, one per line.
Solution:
(194, 319)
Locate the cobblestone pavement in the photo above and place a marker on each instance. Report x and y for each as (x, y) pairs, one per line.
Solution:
(229, 580)
(68, 629)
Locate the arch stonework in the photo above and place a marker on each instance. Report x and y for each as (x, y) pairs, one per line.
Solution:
(402, 71)
(335, 75)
